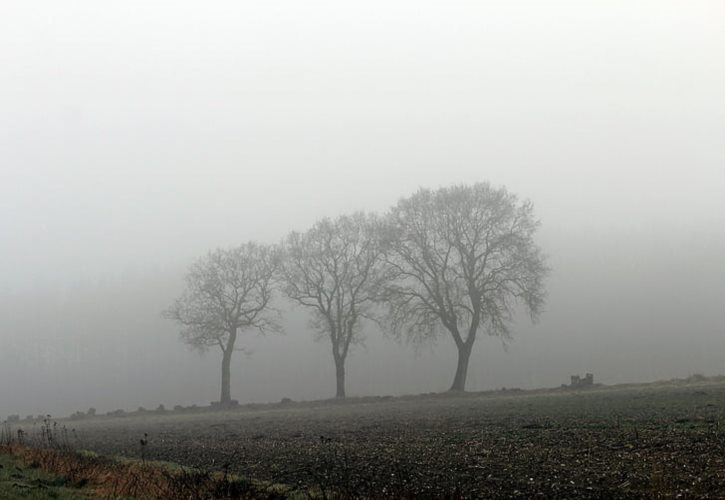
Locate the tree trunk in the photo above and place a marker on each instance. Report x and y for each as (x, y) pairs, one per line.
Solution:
(340, 372)
(226, 393)
(226, 397)
(464, 354)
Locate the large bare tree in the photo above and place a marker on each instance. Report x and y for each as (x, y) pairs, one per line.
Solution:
(335, 269)
(227, 291)
(461, 259)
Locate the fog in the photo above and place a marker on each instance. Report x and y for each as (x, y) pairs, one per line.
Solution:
(137, 136)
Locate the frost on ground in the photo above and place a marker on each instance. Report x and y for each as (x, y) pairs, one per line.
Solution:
(639, 440)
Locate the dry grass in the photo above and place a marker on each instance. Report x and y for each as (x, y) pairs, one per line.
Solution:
(111, 478)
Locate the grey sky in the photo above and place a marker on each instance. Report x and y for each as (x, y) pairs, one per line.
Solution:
(135, 136)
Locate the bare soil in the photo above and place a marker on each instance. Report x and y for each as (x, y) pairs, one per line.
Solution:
(636, 441)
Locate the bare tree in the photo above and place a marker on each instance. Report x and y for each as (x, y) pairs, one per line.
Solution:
(462, 258)
(335, 269)
(227, 291)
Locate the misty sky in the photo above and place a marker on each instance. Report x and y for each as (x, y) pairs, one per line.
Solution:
(135, 136)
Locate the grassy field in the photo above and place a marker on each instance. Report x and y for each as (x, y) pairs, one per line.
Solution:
(22, 481)
(635, 441)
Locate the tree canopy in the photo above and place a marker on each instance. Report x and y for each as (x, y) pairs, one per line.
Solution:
(335, 269)
(461, 259)
(226, 291)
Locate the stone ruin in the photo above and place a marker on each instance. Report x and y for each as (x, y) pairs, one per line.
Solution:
(578, 382)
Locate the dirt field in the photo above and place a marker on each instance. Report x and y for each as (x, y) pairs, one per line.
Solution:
(636, 441)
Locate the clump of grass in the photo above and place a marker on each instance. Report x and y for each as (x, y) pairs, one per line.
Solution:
(19, 480)
(108, 477)
(51, 450)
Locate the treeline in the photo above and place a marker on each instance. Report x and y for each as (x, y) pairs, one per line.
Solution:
(454, 261)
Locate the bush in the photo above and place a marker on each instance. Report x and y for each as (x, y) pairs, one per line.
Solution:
(91, 412)
(13, 418)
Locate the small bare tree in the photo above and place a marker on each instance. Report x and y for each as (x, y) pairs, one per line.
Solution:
(461, 258)
(335, 269)
(227, 291)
